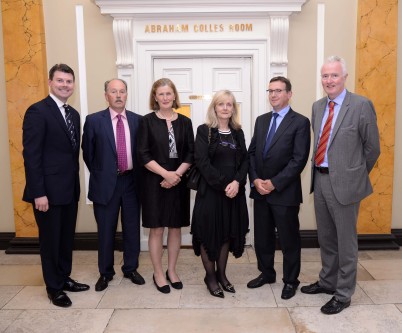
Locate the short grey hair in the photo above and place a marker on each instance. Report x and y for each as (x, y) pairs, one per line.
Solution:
(335, 58)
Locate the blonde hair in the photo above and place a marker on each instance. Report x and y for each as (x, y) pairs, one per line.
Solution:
(212, 119)
(153, 105)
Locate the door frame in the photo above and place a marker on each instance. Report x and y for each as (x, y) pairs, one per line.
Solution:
(140, 81)
(200, 66)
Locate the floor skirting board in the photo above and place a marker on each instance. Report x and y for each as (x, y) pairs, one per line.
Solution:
(89, 241)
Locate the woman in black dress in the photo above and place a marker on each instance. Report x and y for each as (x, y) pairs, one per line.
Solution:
(220, 216)
(165, 149)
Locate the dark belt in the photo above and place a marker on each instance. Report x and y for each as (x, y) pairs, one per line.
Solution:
(322, 170)
(123, 173)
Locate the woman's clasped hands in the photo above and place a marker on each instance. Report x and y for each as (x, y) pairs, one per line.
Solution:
(171, 178)
(232, 189)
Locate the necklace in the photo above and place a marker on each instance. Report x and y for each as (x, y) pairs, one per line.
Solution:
(231, 145)
(161, 116)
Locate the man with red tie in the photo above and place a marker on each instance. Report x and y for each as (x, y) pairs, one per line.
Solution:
(346, 147)
(108, 145)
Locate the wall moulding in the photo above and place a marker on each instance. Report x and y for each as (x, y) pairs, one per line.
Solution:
(176, 8)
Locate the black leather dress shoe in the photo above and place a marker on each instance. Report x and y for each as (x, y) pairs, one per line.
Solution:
(175, 285)
(164, 289)
(259, 282)
(102, 283)
(74, 286)
(334, 306)
(315, 288)
(135, 277)
(288, 291)
(59, 298)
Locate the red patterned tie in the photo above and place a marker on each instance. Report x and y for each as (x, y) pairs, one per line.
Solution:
(121, 145)
(322, 145)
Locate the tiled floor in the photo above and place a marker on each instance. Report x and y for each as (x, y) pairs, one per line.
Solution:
(125, 307)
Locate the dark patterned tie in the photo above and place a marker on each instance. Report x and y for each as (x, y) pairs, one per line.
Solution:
(322, 145)
(70, 126)
(122, 164)
(270, 134)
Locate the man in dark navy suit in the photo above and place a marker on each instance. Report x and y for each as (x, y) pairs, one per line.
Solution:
(278, 154)
(109, 150)
(51, 138)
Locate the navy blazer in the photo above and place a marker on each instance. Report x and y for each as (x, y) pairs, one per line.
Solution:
(100, 155)
(287, 156)
(51, 163)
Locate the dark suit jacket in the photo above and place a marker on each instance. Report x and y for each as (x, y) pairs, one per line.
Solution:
(286, 159)
(100, 156)
(51, 163)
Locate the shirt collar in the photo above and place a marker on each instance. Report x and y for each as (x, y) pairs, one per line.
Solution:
(58, 102)
(282, 113)
(114, 114)
(338, 99)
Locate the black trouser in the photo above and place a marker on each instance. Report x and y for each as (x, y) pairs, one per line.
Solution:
(56, 240)
(285, 219)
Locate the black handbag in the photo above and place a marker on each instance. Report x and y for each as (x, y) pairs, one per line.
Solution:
(193, 178)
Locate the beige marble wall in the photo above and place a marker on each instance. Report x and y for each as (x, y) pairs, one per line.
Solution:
(376, 70)
(26, 82)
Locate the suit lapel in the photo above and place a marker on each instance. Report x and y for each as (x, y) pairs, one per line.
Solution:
(262, 136)
(342, 112)
(282, 127)
(321, 105)
(107, 125)
(55, 111)
(132, 125)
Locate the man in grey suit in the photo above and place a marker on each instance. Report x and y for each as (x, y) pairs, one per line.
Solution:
(346, 147)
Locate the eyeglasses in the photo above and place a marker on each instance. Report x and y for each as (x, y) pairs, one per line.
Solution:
(326, 77)
(276, 91)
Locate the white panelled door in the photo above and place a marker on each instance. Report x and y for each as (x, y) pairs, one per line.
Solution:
(196, 80)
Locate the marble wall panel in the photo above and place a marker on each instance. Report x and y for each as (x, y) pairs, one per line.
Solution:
(26, 83)
(376, 60)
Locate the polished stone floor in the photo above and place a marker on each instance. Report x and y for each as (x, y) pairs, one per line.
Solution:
(125, 307)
